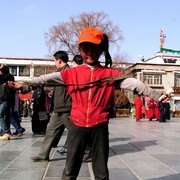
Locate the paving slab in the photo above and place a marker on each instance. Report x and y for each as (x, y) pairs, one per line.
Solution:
(138, 150)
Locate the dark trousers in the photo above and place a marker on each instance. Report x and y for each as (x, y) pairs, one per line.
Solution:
(5, 118)
(162, 112)
(54, 131)
(77, 141)
(174, 114)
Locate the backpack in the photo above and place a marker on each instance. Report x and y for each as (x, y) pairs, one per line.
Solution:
(6, 93)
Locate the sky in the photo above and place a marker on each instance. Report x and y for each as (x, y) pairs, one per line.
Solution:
(23, 24)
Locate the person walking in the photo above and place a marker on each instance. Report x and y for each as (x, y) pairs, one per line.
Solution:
(167, 110)
(77, 60)
(174, 110)
(151, 110)
(143, 111)
(14, 117)
(61, 111)
(162, 116)
(92, 97)
(48, 99)
(39, 116)
(7, 100)
(156, 110)
(137, 106)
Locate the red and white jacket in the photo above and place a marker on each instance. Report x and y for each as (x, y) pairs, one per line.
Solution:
(90, 103)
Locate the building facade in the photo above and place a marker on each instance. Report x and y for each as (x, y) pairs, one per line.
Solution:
(27, 68)
(159, 72)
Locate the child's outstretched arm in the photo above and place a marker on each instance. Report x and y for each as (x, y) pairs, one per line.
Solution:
(135, 84)
(47, 78)
(54, 78)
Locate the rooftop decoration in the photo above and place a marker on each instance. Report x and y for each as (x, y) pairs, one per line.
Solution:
(170, 50)
(162, 38)
(162, 41)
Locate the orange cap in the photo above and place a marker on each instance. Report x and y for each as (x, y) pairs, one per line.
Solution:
(91, 35)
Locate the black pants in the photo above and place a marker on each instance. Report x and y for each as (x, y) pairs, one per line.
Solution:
(77, 141)
(174, 114)
(162, 112)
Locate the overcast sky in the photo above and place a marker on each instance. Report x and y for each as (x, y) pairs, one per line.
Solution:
(24, 22)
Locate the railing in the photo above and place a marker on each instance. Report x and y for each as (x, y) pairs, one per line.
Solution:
(126, 113)
(122, 113)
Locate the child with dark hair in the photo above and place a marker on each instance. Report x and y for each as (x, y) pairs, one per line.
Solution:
(77, 60)
(91, 102)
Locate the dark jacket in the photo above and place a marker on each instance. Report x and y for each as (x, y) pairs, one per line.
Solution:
(61, 98)
(6, 94)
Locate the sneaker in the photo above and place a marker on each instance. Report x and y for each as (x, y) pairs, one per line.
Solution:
(62, 151)
(87, 158)
(15, 133)
(38, 159)
(6, 136)
(20, 133)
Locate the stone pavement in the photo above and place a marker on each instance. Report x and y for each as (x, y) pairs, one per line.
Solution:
(138, 150)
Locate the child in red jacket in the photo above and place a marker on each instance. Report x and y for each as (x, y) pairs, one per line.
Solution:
(91, 102)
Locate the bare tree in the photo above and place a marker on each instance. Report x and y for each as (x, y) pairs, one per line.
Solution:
(65, 34)
(121, 99)
(121, 58)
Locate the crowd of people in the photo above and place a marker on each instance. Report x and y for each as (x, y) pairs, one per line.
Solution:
(153, 110)
(82, 99)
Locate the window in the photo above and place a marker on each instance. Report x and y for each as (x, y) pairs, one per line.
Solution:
(170, 60)
(177, 79)
(50, 70)
(13, 70)
(24, 71)
(152, 79)
(40, 70)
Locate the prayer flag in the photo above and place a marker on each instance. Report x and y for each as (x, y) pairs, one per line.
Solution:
(162, 38)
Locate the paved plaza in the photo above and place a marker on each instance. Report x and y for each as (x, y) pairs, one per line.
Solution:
(138, 150)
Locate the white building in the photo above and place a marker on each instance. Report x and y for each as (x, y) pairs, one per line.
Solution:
(160, 72)
(27, 68)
